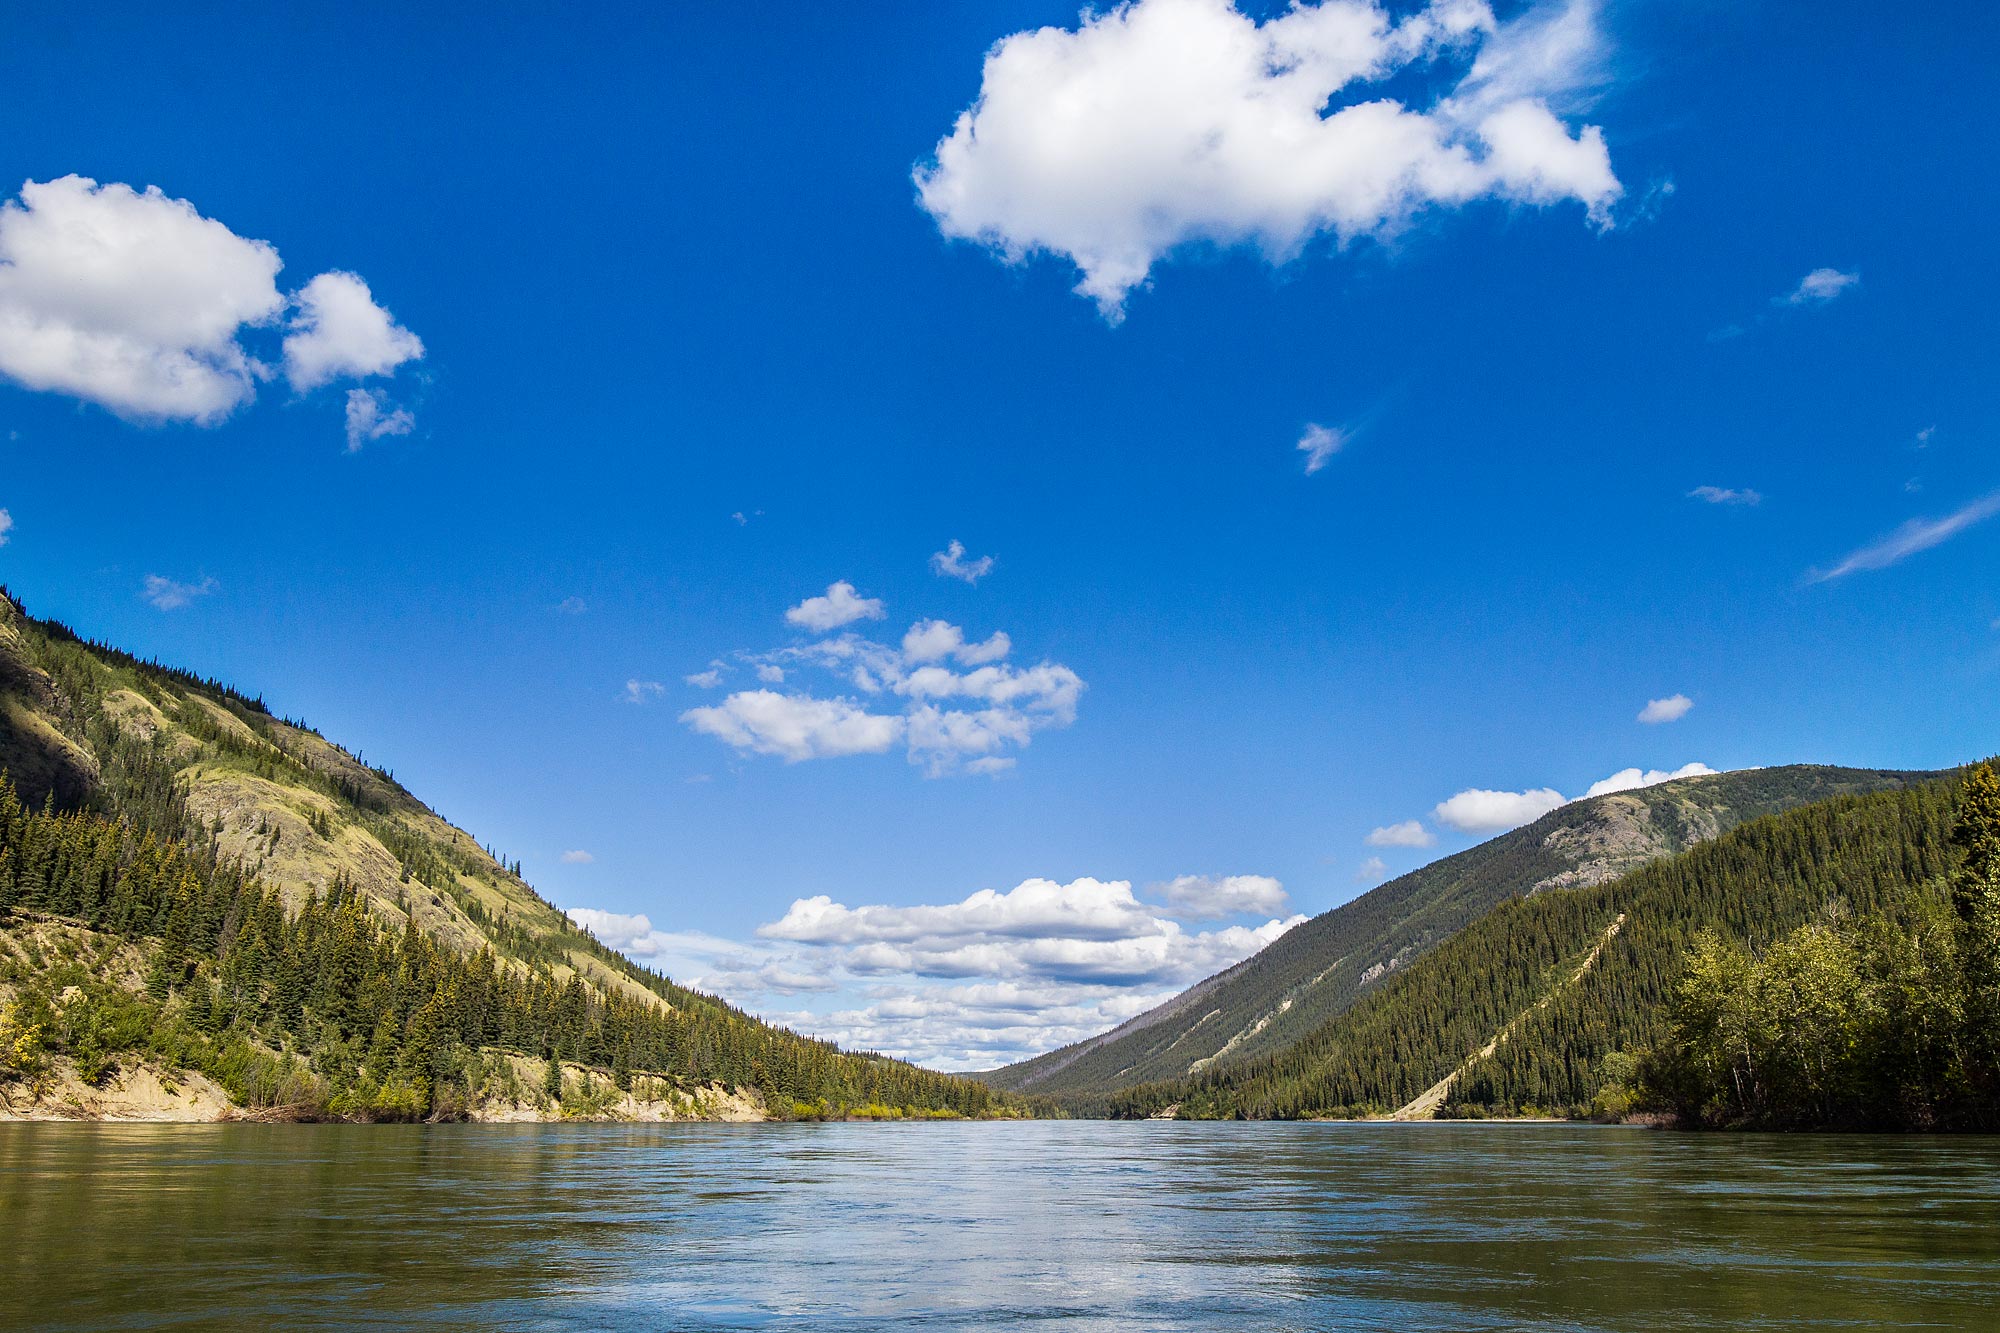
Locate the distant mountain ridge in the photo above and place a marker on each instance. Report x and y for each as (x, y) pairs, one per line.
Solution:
(1321, 968)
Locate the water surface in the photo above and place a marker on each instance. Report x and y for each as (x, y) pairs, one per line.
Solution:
(1072, 1226)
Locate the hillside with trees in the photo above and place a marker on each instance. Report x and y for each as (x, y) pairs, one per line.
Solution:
(1832, 965)
(1312, 974)
(196, 891)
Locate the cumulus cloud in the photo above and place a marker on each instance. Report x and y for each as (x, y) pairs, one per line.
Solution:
(1670, 709)
(338, 332)
(1087, 931)
(1819, 287)
(578, 857)
(707, 679)
(168, 594)
(6, 526)
(958, 706)
(969, 984)
(1319, 444)
(841, 605)
(371, 416)
(1371, 870)
(643, 691)
(1161, 123)
(1631, 779)
(1409, 833)
(1919, 534)
(1212, 897)
(136, 302)
(950, 563)
(1478, 810)
(1723, 495)
(795, 727)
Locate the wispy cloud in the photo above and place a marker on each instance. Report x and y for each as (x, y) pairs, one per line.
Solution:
(1919, 534)
(1320, 443)
(643, 691)
(950, 563)
(577, 857)
(6, 526)
(1724, 495)
(171, 595)
(1371, 870)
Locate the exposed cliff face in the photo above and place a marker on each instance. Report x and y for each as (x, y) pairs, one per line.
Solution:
(1321, 968)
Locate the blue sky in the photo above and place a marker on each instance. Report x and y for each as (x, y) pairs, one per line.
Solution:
(681, 347)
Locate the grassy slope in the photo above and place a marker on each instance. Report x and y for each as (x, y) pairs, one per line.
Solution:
(1323, 967)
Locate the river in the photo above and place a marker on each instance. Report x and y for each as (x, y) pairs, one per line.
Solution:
(1071, 1226)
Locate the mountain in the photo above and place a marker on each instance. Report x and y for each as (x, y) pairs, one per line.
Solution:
(1324, 966)
(207, 910)
(1552, 1003)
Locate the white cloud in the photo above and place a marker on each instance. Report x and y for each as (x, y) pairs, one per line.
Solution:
(6, 526)
(578, 857)
(643, 691)
(841, 605)
(136, 302)
(962, 985)
(1409, 833)
(1162, 123)
(707, 679)
(169, 595)
(1211, 897)
(1371, 870)
(1919, 534)
(130, 300)
(1670, 709)
(371, 416)
(1477, 810)
(962, 707)
(1723, 495)
(572, 606)
(796, 727)
(1319, 444)
(1087, 931)
(934, 640)
(1631, 779)
(930, 640)
(338, 332)
(1819, 286)
(951, 563)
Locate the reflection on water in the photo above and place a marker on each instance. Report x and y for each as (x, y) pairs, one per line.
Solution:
(1072, 1226)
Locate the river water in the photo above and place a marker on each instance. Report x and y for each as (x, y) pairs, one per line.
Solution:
(1072, 1226)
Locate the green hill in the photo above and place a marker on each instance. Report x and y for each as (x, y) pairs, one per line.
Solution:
(207, 910)
(1547, 1004)
(1320, 969)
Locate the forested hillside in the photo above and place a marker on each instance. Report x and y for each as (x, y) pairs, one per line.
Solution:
(1312, 974)
(1578, 987)
(188, 883)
